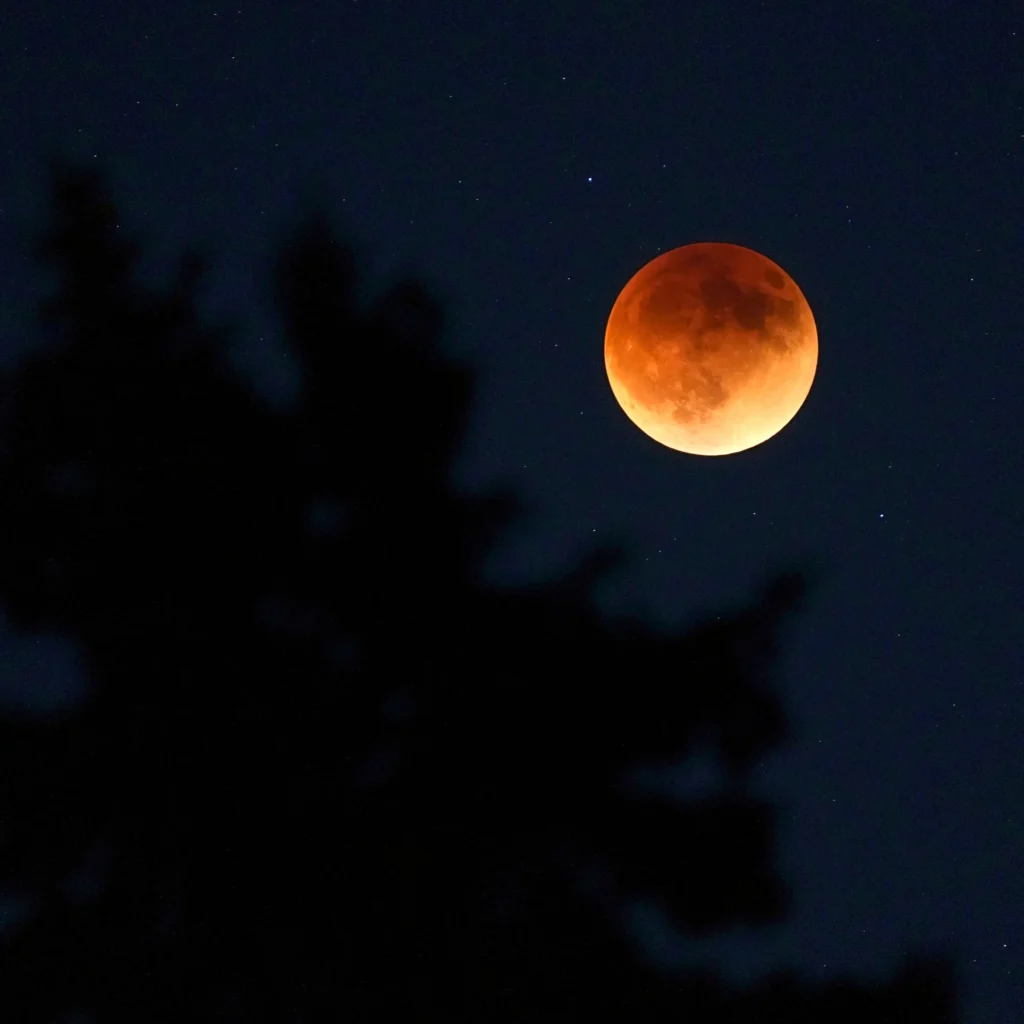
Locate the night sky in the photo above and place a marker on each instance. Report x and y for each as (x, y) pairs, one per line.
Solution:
(525, 159)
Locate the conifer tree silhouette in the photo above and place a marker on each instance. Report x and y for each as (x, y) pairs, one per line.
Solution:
(325, 772)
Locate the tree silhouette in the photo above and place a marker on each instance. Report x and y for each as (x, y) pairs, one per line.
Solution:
(325, 772)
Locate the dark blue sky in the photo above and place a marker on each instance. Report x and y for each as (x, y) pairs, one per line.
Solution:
(526, 159)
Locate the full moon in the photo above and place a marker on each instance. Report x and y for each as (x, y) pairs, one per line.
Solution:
(711, 348)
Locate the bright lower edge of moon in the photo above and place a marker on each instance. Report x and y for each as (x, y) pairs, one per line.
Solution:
(711, 348)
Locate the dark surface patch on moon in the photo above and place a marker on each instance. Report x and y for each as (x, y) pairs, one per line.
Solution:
(774, 278)
(752, 310)
(662, 303)
(719, 293)
(723, 295)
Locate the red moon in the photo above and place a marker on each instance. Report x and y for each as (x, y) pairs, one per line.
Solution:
(711, 348)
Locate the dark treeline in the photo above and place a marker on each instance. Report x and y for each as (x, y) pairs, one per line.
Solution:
(324, 771)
